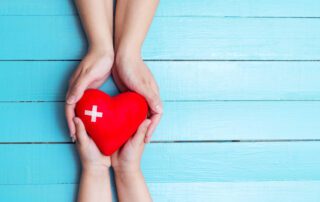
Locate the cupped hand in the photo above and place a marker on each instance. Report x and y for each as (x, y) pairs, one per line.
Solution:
(128, 157)
(133, 74)
(92, 72)
(90, 155)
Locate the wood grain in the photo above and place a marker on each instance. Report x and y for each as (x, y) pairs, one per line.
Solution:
(197, 81)
(189, 8)
(166, 163)
(240, 81)
(292, 191)
(182, 121)
(202, 38)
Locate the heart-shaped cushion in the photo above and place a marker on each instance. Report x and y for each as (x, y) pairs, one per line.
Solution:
(111, 121)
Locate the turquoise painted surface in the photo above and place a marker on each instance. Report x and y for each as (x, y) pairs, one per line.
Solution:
(244, 8)
(203, 80)
(172, 162)
(193, 120)
(241, 120)
(187, 38)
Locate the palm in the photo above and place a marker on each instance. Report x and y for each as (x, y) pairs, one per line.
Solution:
(123, 155)
(98, 67)
(90, 154)
(137, 78)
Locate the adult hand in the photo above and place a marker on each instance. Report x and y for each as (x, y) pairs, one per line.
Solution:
(92, 72)
(133, 74)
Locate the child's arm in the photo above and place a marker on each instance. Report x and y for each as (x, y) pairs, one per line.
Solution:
(126, 164)
(95, 178)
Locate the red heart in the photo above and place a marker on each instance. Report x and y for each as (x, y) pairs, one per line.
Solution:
(111, 121)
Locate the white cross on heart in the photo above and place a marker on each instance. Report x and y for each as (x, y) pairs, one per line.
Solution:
(93, 113)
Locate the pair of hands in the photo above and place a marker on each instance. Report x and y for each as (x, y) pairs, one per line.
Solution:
(95, 177)
(126, 159)
(128, 73)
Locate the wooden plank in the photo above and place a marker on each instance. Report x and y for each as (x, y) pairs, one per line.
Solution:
(37, 7)
(44, 37)
(219, 121)
(39, 80)
(166, 163)
(61, 38)
(243, 8)
(286, 191)
(182, 121)
(39, 193)
(48, 80)
(237, 191)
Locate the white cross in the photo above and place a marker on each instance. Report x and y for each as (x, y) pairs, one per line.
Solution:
(94, 113)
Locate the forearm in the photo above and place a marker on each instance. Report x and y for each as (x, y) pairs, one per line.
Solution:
(131, 187)
(133, 19)
(96, 17)
(95, 186)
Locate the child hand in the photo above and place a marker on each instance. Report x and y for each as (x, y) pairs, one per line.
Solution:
(128, 157)
(90, 156)
(129, 179)
(95, 177)
(92, 72)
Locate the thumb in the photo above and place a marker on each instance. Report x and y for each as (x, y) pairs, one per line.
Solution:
(81, 133)
(76, 91)
(141, 132)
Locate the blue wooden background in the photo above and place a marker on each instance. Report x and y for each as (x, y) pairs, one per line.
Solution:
(240, 80)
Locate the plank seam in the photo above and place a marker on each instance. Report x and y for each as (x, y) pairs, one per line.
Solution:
(178, 16)
(163, 60)
(39, 184)
(172, 101)
(181, 141)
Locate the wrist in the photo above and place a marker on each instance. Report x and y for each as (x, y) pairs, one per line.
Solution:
(102, 50)
(126, 59)
(126, 168)
(97, 166)
(95, 171)
(127, 175)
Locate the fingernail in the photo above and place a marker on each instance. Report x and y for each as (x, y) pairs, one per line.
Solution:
(72, 138)
(71, 99)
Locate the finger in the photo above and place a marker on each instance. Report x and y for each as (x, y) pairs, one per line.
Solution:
(118, 81)
(154, 101)
(70, 114)
(78, 88)
(81, 133)
(155, 119)
(74, 76)
(141, 132)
